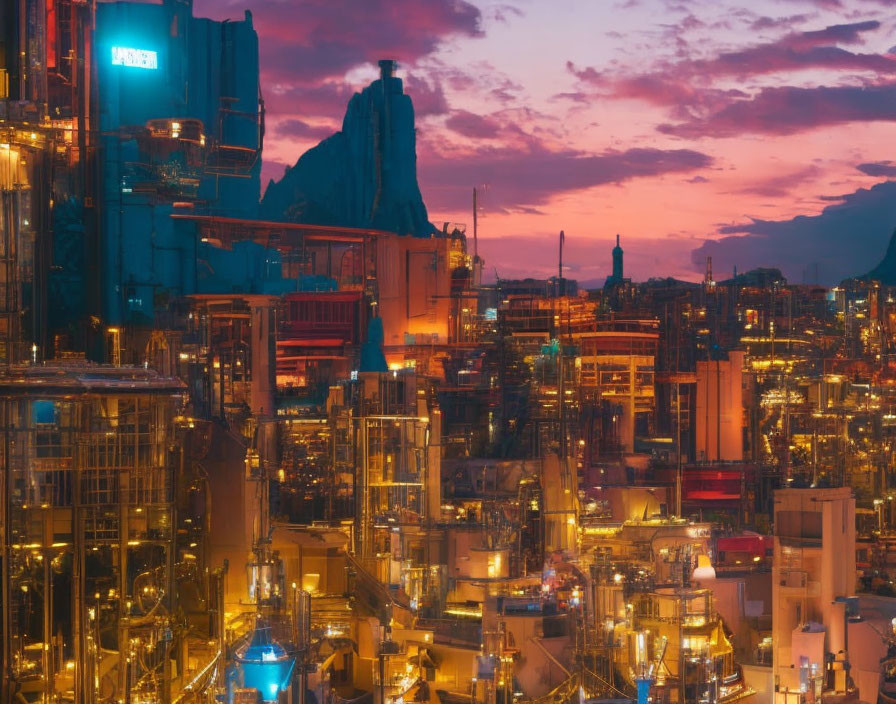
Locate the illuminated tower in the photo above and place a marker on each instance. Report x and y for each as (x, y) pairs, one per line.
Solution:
(617, 261)
(180, 123)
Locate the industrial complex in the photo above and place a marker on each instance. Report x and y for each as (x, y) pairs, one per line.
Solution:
(298, 449)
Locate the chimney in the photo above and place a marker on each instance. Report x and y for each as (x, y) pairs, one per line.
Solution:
(387, 68)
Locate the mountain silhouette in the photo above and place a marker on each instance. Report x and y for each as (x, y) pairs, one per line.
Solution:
(885, 272)
(364, 175)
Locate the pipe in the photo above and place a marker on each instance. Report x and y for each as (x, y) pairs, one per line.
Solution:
(6, 636)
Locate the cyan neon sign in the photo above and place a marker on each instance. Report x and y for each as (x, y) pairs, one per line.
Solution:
(135, 58)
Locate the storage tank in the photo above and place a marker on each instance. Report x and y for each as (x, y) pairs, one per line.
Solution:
(263, 664)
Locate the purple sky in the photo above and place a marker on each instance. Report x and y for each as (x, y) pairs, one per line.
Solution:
(758, 133)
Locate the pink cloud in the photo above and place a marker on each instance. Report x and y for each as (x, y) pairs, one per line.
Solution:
(428, 97)
(684, 82)
(302, 130)
(314, 39)
(325, 98)
(788, 110)
(701, 108)
(471, 125)
(532, 175)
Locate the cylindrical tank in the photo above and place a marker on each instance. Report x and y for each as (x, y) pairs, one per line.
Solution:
(263, 664)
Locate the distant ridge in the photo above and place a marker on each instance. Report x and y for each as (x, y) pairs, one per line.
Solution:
(885, 272)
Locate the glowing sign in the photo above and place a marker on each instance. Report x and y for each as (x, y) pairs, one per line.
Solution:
(135, 58)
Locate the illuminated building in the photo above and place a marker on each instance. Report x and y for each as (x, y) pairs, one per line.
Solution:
(813, 588)
(226, 351)
(326, 461)
(97, 548)
(46, 144)
(617, 369)
(651, 621)
(395, 431)
(181, 124)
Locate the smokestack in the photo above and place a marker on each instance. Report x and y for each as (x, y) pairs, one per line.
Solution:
(387, 68)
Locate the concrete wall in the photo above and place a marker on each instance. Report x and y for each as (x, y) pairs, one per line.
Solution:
(719, 424)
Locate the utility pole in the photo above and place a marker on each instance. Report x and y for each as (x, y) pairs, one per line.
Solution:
(475, 233)
(560, 263)
(476, 263)
(678, 474)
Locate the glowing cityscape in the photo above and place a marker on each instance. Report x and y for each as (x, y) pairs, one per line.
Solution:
(447, 352)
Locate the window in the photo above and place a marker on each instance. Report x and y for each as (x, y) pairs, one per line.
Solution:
(43, 412)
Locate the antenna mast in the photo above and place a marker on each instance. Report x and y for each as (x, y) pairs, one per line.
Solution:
(475, 232)
(560, 267)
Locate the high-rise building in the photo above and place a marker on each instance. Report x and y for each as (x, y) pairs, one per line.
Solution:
(617, 261)
(181, 125)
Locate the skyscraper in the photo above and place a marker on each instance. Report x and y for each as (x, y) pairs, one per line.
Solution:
(617, 261)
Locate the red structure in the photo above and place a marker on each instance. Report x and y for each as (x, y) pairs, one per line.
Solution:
(319, 335)
(712, 488)
(335, 315)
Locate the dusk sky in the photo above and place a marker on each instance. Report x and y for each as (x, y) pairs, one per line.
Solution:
(758, 132)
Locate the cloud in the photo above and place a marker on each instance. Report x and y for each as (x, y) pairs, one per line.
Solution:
(677, 82)
(327, 98)
(782, 184)
(702, 102)
(307, 47)
(766, 22)
(532, 174)
(503, 12)
(471, 125)
(838, 4)
(846, 239)
(479, 79)
(878, 168)
(783, 57)
(326, 38)
(428, 97)
(787, 110)
(302, 130)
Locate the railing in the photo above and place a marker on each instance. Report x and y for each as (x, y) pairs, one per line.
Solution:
(595, 685)
(452, 632)
(362, 699)
(591, 683)
(565, 692)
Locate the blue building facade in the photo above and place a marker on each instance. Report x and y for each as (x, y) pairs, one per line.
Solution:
(181, 127)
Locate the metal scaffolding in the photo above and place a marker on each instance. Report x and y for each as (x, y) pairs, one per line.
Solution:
(89, 544)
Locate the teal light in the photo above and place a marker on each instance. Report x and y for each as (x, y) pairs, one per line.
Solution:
(134, 58)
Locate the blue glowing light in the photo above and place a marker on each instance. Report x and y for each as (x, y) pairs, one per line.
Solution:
(263, 664)
(43, 412)
(135, 58)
